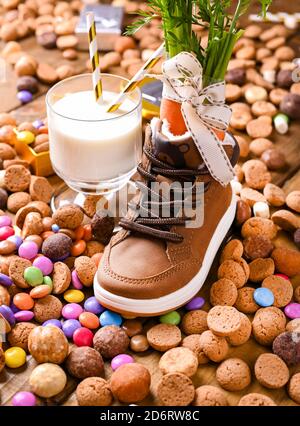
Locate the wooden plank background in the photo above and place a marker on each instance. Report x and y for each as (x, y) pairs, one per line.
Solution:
(13, 380)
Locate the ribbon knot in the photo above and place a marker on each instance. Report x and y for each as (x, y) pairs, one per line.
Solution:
(203, 109)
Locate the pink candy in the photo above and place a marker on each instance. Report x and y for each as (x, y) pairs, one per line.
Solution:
(24, 316)
(28, 250)
(285, 277)
(5, 221)
(292, 310)
(76, 281)
(121, 359)
(44, 264)
(24, 399)
(5, 232)
(71, 311)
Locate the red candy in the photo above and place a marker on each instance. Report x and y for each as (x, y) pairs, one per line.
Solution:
(83, 337)
(5, 232)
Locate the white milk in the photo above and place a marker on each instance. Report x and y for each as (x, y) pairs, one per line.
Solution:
(93, 150)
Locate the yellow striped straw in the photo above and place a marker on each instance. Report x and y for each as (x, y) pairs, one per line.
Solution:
(94, 56)
(137, 79)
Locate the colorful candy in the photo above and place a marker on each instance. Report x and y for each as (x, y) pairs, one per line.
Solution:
(70, 326)
(263, 297)
(71, 311)
(26, 137)
(8, 314)
(24, 316)
(83, 337)
(40, 291)
(28, 250)
(74, 296)
(15, 357)
(5, 280)
(292, 310)
(170, 318)
(89, 320)
(110, 318)
(33, 276)
(121, 359)
(54, 322)
(23, 301)
(5, 232)
(92, 305)
(24, 96)
(195, 303)
(44, 264)
(16, 239)
(24, 399)
(76, 281)
(5, 221)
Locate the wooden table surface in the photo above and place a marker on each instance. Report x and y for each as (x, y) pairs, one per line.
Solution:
(12, 381)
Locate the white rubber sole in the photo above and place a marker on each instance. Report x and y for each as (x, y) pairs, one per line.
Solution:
(149, 307)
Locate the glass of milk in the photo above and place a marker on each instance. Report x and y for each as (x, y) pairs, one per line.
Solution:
(93, 151)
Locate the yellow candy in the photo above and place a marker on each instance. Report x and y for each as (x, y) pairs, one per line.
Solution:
(15, 357)
(26, 137)
(73, 296)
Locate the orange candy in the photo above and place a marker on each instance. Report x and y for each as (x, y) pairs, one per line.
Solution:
(40, 291)
(46, 234)
(43, 130)
(78, 248)
(89, 320)
(96, 258)
(79, 233)
(87, 232)
(23, 301)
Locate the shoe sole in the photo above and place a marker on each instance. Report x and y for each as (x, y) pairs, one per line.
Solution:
(151, 307)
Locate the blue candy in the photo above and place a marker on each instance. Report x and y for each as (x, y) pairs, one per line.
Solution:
(263, 297)
(110, 318)
(55, 228)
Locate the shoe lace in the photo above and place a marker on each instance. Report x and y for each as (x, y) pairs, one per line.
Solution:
(155, 225)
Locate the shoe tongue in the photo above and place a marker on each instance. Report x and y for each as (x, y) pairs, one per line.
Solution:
(178, 151)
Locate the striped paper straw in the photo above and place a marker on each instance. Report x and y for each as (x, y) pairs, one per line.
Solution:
(137, 79)
(94, 56)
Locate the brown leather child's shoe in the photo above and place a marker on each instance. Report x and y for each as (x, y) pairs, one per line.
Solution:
(156, 264)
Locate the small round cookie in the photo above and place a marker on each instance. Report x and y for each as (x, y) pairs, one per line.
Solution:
(85, 269)
(259, 226)
(17, 178)
(223, 292)
(214, 347)
(210, 396)
(256, 400)
(16, 271)
(17, 200)
(223, 320)
(271, 371)
(234, 271)
(193, 342)
(162, 337)
(61, 277)
(294, 388)
(194, 322)
(261, 269)
(95, 392)
(267, 324)
(233, 374)
(19, 334)
(293, 325)
(287, 347)
(175, 389)
(245, 302)
(40, 189)
(242, 335)
(179, 360)
(130, 383)
(49, 307)
(281, 288)
(69, 216)
(232, 250)
(257, 246)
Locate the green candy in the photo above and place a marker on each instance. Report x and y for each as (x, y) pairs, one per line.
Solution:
(48, 281)
(33, 276)
(170, 318)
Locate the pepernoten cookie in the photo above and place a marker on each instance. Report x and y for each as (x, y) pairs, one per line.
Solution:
(242, 335)
(194, 322)
(214, 347)
(175, 389)
(179, 360)
(256, 399)
(40, 189)
(232, 250)
(261, 269)
(234, 271)
(245, 302)
(61, 277)
(17, 178)
(223, 320)
(49, 307)
(16, 271)
(267, 324)
(193, 342)
(271, 371)
(164, 336)
(281, 288)
(210, 396)
(223, 292)
(85, 269)
(233, 374)
(294, 388)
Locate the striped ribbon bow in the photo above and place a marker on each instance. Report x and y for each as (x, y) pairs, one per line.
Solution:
(203, 110)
